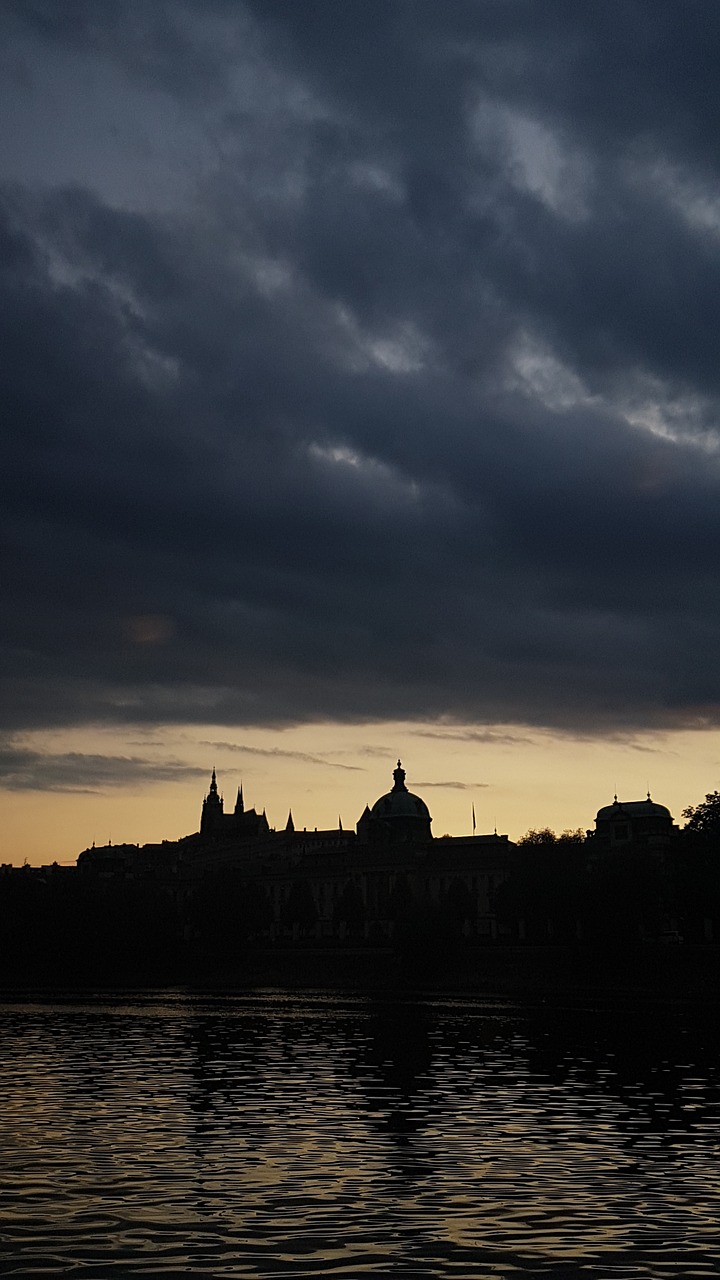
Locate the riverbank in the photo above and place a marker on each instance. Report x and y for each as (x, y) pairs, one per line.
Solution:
(682, 972)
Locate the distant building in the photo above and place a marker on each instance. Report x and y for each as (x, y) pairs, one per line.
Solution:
(627, 825)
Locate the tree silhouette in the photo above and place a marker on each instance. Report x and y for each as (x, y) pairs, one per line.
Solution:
(704, 818)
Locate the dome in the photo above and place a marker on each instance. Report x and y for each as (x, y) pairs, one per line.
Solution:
(633, 809)
(396, 818)
(400, 803)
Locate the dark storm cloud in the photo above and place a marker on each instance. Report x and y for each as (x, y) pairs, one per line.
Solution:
(408, 409)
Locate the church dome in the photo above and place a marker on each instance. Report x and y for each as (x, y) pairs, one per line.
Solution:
(400, 803)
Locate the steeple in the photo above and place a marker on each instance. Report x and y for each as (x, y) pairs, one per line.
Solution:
(212, 808)
(290, 825)
(240, 803)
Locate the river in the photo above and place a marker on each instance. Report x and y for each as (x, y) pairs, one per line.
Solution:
(325, 1134)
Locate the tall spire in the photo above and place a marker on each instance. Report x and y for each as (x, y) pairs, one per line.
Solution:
(290, 825)
(212, 808)
(240, 803)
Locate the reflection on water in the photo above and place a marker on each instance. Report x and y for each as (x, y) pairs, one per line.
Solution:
(320, 1135)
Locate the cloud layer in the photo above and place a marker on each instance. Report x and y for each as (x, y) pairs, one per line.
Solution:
(25, 769)
(360, 361)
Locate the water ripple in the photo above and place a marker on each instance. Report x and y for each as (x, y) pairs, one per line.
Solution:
(311, 1135)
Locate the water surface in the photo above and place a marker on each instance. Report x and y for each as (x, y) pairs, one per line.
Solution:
(314, 1134)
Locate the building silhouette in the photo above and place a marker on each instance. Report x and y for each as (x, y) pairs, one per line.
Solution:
(237, 886)
(634, 824)
(389, 874)
(241, 824)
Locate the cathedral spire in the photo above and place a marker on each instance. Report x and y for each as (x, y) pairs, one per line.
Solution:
(212, 808)
(240, 803)
(290, 825)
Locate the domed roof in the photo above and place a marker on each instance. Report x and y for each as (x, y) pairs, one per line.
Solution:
(633, 809)
(400, 803)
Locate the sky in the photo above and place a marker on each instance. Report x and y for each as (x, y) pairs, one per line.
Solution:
(359, 399)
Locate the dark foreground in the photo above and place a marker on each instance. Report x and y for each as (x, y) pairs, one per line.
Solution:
(681, 972)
